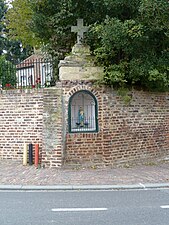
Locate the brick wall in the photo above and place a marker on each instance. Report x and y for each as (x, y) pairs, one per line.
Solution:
(127, 132)
(52, 128)
(31, 116)
(21, 116)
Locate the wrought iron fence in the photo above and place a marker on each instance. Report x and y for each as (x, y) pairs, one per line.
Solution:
(36, 73)
(83, 124)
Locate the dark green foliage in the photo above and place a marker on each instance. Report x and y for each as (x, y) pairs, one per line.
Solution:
(2, 39)
(130, 38)
(11, 49)
(53, 20)
(11, 52)
(7, 74)
(15, 53)
(135, 51)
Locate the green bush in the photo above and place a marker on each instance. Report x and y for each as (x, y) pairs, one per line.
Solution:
(8, 77)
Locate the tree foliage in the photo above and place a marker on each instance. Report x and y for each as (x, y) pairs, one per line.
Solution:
(11, 49)
(2, 39)
(135, 50)
(19, 22)
(53, 20)
(130, 38)
(15, 52)
(7, 73)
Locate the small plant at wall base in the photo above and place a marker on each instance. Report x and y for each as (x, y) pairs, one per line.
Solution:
(8, 78)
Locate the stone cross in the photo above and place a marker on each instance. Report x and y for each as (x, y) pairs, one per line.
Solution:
(80, 30)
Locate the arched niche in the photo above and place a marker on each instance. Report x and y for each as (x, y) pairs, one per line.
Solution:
(83, 112)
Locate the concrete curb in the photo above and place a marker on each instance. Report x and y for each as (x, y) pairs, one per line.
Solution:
(139, 186)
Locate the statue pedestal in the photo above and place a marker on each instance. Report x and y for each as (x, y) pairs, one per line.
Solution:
(79, 65)
(81, 50)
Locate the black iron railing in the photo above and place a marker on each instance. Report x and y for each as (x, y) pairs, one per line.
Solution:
(86, 124)
(37, 73)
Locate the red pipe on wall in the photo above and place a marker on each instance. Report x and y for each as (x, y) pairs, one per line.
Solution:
(36, 155)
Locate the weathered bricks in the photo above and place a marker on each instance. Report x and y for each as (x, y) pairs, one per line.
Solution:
(127, 133)
(22, 121)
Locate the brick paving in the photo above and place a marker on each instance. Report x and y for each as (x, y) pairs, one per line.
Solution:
(14, 173)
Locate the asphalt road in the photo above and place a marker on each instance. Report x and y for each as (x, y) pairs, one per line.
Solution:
(133, 207)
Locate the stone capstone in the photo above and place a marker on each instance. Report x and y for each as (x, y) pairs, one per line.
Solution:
(79, 65)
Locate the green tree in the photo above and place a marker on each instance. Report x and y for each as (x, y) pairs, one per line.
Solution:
(48, 22)
(53, 19)
(19, 22)
(7, 73)
(12, 49)
(15, 52)
(130, 38)
(135, 50)
(2, 12)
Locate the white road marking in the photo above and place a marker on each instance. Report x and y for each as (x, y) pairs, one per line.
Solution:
(164, 206)
(78, 209)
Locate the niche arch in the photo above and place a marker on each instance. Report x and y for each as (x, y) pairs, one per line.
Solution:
(83, 112)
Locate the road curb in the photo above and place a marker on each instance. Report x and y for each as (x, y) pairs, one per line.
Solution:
(140, 186)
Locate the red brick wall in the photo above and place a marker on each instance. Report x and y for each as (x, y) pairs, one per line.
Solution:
(52, 128)
(127, 133)
(31, 116)
(20, 121)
